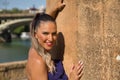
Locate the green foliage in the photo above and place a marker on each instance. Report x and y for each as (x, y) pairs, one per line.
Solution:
(14, 10)
(18, 30)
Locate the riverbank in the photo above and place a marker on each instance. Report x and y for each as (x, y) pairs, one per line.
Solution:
(13, 70)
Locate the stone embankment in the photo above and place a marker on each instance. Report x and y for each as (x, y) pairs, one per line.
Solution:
(13, 70)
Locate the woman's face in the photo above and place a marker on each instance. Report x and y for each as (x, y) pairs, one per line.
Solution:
(46, 34)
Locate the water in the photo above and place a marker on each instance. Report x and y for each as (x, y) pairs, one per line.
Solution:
(15, 51)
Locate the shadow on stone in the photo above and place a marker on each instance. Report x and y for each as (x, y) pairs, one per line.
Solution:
(58, 50)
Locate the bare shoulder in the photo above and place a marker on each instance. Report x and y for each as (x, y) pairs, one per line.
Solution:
(34, 57)
(36, 66)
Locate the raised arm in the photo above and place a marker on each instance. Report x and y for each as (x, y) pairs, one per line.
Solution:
(55, 8)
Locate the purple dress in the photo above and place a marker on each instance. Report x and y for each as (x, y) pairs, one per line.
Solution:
(60, 73)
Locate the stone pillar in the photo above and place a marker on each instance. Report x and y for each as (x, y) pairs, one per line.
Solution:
(67, 22)
(91, 30)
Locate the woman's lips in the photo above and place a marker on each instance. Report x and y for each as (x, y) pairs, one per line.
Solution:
(49, 44)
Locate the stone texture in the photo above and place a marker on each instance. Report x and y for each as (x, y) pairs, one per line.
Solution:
(67, 22)
(91, 31)
(13, 71)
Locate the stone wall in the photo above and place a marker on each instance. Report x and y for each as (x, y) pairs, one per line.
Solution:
(91, 31)
(13, 71)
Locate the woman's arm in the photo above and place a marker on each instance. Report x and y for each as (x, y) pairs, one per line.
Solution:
(56, 8)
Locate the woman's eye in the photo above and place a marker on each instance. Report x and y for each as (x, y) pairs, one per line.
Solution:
(54, 33)
(45, 33)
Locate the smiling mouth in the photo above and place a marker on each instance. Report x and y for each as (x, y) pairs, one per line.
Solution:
(49, 44)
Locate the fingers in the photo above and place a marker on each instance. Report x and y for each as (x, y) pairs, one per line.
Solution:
(62, 1)
(72, 68)
(61, 7)
(79, 77)
(76, 71)
(79, 68)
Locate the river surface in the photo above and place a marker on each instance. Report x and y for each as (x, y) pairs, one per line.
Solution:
(17, 50)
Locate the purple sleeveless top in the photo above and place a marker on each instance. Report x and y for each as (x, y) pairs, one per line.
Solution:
(60, 73)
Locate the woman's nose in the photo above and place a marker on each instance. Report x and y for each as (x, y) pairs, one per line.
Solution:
(50, 38)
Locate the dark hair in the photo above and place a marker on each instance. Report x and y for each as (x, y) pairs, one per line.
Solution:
(41, 17)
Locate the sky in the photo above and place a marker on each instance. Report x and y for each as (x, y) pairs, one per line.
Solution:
(21, 4)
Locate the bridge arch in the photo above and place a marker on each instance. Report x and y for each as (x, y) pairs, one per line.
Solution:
(5, 35)
(15, 23)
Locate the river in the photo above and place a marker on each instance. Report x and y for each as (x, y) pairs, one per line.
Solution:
(17, 50)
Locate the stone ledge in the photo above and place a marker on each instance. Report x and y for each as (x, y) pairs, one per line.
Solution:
(12, 65)
(13, 70)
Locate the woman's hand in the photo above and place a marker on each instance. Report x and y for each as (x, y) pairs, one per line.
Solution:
(76, 71)
(55, 8)
(59, 5)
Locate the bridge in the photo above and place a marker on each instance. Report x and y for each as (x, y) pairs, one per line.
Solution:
(12, 21)
(15, 23)
(6, 17)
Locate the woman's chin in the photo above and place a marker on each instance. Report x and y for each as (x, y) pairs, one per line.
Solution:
(48, 49)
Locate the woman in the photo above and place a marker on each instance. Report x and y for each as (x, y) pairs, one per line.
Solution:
(40, 65)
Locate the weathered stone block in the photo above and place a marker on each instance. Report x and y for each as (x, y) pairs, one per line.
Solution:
(13, 70)
(91, 30)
